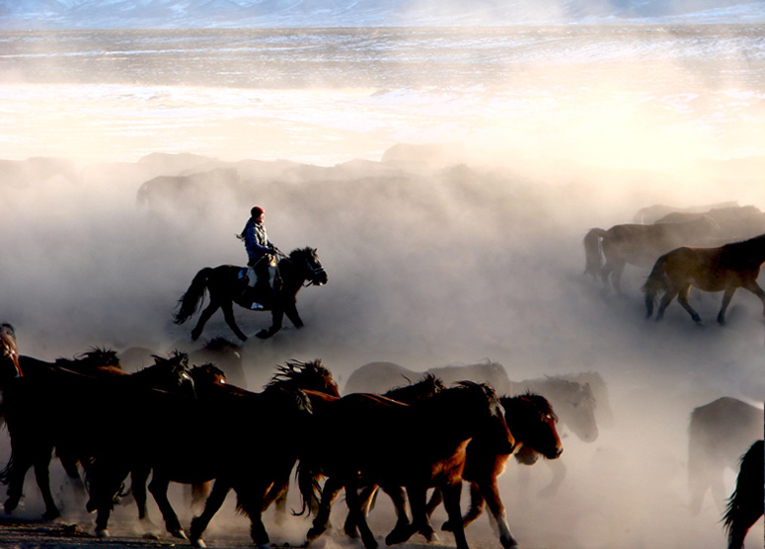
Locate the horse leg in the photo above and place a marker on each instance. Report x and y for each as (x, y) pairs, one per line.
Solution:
(138, 479)
(277, 315)
(228, 314)
(16, 474)
(452, 506)
(250, 499)
(104, 483)
(666, 299)
(559, 471)
(403, 526)
(368, 493)
(353, 502)
(199, 494)
(436, 498)
(214, 502)
(755, 288)
(616, 276)
(682, 299)
(329, 494)
(727, 296)
(290, 309)
(487, 488)
(158, 488)
(203, 318)
(42, 476)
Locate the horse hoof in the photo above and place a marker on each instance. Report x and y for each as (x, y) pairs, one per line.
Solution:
(198, 543)
(102, 534)
(180, 534)
(51, 515)
(263, 334)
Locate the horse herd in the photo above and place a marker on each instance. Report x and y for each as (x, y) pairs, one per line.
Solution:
(108, 426)
(721, 249)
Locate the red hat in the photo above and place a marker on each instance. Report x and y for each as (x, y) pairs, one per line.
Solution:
(256, 211)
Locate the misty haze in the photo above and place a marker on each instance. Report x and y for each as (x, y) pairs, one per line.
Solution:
(447, 179)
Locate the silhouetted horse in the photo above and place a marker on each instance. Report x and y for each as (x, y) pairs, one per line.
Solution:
(639, 245)
(722, 269)
(363, 438)
(531, 421)
(735, 222)
(290, 378)
(745, 505)
(718, 433)
(226, 288)
(54, 407)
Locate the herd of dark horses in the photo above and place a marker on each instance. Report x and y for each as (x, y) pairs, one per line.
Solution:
(110, 428)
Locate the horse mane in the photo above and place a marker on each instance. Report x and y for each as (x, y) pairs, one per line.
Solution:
(425, 387)
(294, 371)
(302, 251)
(537, 401)
(95, 357)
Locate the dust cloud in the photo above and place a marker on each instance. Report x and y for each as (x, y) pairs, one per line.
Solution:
(462, 246)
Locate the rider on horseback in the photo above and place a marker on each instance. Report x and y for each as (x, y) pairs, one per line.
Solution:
(261, 252)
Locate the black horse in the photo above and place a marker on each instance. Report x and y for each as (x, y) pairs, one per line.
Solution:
(225, 287)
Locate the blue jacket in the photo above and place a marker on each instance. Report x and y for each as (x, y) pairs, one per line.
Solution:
(256, 240)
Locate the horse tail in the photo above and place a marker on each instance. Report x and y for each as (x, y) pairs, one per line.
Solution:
(655, 284)
(191, 301)
(745, 504)
(592, 251)
(308, 484)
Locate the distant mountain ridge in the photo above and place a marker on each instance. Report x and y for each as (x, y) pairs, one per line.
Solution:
(108, 14)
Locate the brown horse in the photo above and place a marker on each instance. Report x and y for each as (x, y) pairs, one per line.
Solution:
(745, 505)
(725, 269)
(639, 245)
(532, 423)
(211, 390)
(225, 288)
(718, 433)
(363, 438)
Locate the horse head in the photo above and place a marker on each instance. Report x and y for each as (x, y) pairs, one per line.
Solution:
(308, 261)
(305, 375)
(206, 375)
(168, 374)
(577, 410)
(532, 421)
(10, 353)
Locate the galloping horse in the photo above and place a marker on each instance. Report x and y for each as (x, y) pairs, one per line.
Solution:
(370, 439)
(725, 268)
(531, 421)
(225, 288)
(718, 433)
(745, 504)
(639, 245)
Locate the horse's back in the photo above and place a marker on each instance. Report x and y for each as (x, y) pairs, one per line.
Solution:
(377, 377)
(492, 373)
(726, 421)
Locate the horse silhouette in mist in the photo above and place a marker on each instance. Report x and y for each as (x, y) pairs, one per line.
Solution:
(725, 268)
(639, 245)
(225, 288)
(718, 433)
